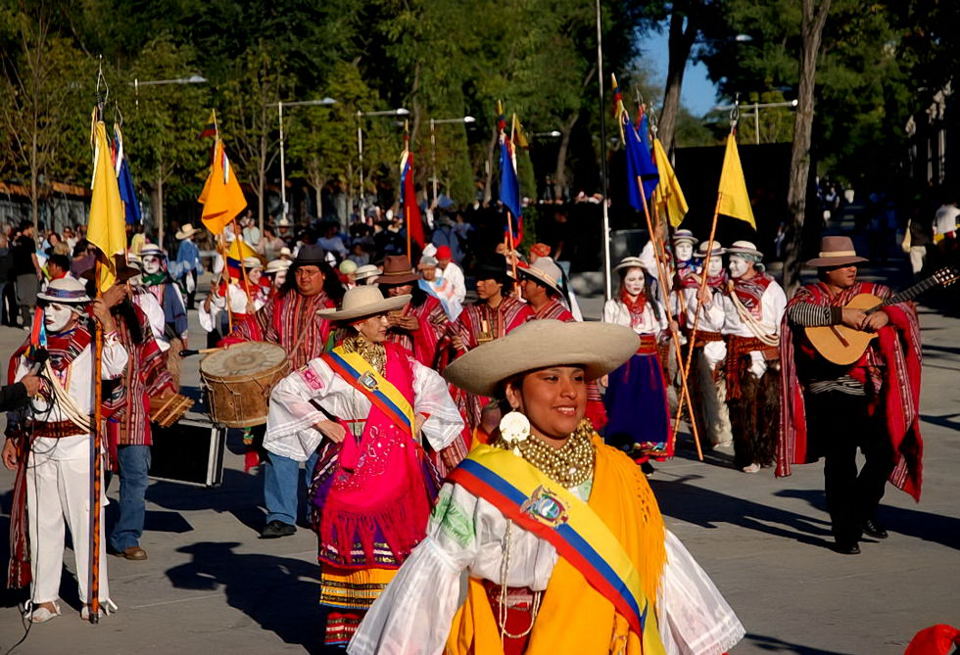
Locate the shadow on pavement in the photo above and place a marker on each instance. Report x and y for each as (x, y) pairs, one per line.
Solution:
(240, 494)
(280, 594)
(774, 645)
(944, 530)
(707, 509)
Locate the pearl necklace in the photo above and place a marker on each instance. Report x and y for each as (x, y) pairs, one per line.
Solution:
(569, 465)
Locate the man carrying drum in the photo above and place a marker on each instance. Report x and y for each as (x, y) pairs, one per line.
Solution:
(290, 320)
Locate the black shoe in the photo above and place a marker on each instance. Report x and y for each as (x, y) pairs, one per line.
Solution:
(647, 468)
(275, 529)
(873, 529)
(848, 549)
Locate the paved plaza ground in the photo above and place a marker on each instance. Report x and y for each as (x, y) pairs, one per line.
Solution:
(211, 586)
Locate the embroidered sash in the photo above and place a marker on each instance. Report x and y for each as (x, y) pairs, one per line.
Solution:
(538, 504)
(363, 377)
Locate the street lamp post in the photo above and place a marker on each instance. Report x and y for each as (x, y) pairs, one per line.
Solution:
(136, 84)
(433, 143)
(323, 102)
(400, 111)
(757, 106)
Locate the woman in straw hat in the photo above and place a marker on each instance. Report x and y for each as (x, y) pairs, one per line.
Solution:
(637, 388)
(364, 405)
(560, 537)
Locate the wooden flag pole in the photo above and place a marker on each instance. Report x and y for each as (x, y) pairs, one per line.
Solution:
(243, 269)
(96, 471)
(223, 253)
(661, 275)
(511, 246)
(685, 396)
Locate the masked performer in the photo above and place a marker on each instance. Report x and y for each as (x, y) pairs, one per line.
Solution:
(51, 451)
(365, 404)
(155, 279)
(753, 307)
(546, 541)
(830, 410)
(636, 393)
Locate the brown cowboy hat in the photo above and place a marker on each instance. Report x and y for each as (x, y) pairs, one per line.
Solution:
(836, 251)
(397, 270)
(125, 271)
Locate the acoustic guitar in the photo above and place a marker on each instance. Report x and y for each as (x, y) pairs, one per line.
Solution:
(844, 345)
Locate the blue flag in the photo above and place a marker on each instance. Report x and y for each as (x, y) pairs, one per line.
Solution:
(509, 185)
(639, 161)
(128, 193)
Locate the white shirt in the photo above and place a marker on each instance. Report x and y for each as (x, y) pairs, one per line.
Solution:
(616, 312)
(945, 221)
(150, 306)
(209, 320)
(711, 319)
(773, 303)
(292, 415)
(454, 275)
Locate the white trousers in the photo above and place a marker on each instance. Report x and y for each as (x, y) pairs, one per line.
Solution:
(712, 396)
(58, 493)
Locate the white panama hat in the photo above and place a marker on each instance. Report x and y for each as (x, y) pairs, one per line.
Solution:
(362, 301)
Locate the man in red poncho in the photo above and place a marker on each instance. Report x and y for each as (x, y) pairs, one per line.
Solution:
(829, 411)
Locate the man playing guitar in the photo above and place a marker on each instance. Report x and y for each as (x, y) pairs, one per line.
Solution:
(829, 410)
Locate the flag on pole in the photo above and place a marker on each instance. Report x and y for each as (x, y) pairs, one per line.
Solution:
(639, 164)
(128, 193)
(210, 130)
(105, 227)
(408, 195)
(509, 184)
(668, 195)
(222, 198)
(237, 251)
(734, 199)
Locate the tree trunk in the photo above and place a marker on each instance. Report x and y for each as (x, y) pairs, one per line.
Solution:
(813, 21)
(35, 183)
(560, 173)
(679, 46)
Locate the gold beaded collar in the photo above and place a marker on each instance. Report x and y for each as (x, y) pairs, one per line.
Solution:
(374, 353)
(569, 465)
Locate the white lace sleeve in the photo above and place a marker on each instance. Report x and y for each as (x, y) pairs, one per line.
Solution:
(432, 398)
(291, 416)
(693, 617)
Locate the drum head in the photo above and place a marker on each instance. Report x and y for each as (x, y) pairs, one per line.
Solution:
(243, 359)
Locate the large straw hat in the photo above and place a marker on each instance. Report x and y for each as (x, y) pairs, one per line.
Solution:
(744, 248)
(836, 251)
(545, 271)
(598, 347)
(363, 301)
(397, 270)
(186, 232)
(65, 291)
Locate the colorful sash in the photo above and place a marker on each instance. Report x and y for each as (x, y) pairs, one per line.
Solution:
(363, 377)
(538, 504)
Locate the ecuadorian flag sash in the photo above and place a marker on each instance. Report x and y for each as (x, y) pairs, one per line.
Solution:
(538, 504)
(364, 378)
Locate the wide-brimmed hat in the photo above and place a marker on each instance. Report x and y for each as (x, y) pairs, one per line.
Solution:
(494, 266)
(397, 270)
(123, 273)
(186, 232)
(285, 252)
(277, 265)
(545, 271)
(836, 251)
(598, 347)
(717, 249)
(284, 222)
(66, 291)
(365, 271)
(252, 262)
(154, 250)
(629, 262)
(310, 255)
(744, 248)
(685, 235)
(362, 301)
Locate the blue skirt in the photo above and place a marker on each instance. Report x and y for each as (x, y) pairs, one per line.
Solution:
(636, 400)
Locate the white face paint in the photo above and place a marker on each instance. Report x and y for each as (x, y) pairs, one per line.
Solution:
(684, 251)
(279, 279)
(715, 265)
(56, 316)
(633, 281)
(254, 275)
(738, 266)
(151, 265)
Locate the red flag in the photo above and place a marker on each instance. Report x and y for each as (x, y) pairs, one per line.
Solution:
(408, 197)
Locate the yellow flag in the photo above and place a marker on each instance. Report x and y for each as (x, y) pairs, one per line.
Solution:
(222, 198)
(239, 250)
(106, 228)
(668, 195)
(734, 200)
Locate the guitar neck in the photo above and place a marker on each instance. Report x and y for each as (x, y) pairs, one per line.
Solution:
(909, 293)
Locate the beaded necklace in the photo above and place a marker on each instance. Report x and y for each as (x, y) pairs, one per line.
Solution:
(374, 353)
(569, 465)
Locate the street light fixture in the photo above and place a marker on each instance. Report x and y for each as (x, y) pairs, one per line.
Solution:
(400, 111)
(757, 106)
(433, 143)
(323, 102)
(553, 134)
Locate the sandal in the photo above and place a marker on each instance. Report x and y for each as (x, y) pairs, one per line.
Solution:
(39, 613)
(107, 608)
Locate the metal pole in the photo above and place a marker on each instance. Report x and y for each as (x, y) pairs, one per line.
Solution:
(283, 170)
(433, 155)
(756, 120)
(360, 158)
(603, 159)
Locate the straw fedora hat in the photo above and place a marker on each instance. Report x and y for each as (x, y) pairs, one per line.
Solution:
(186, 232)
(629, 262)
(836, 251)
(360, 302)
(397, 270)
(598, 347)
(154, 250)
(545, 271)
(744, 248)
(277, 265)
(366, 271)
(717, 249)
(684, 235)
(66, 291)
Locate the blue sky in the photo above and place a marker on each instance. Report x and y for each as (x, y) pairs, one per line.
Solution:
(698, 94)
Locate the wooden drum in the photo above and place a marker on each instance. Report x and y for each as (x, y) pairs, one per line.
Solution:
(239, 379)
